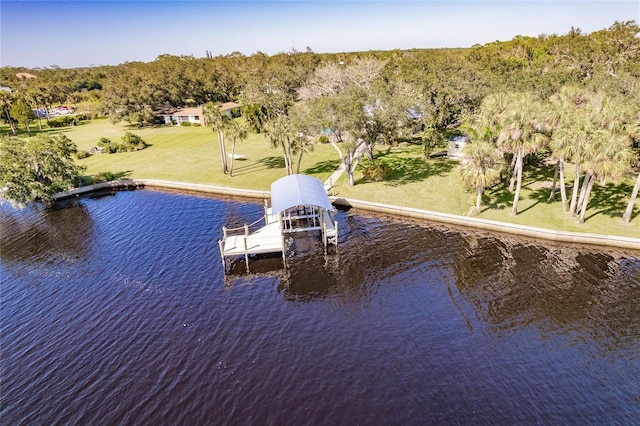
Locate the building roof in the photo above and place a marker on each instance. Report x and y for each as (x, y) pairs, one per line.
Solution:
(188, 111)
(169, 110)
(298, 190)
(229, 105)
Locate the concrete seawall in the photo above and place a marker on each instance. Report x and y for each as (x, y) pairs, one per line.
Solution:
(470, 222)
(118, 185)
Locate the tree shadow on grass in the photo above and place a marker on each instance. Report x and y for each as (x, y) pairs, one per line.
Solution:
(36, 131)
(538, 174)
(407, 170)
(537, 180)
(539, 183)
(500, 198)
(49, 130)
(610, 200)
(138, 126)
(272, 162)
(261, 164)
(322, 167)
(540, 195)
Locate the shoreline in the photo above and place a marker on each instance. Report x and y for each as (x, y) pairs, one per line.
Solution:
(612, 241)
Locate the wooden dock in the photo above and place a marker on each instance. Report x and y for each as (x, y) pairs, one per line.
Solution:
(240, 242)
(267, 239)
(309, 210)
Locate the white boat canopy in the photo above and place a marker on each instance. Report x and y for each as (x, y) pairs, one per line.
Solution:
(298, 190)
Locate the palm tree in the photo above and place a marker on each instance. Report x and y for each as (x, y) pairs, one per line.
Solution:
(609, 159)
(218, 120)
(626, 217)
(522, 133)
(580, 135)
(305, 129)
(483, 163)
(604, 151)
(301, 145)
(574, 126)
(485, 124)
(565, 141)
(278, 133)
(237, 131)
(634, 132)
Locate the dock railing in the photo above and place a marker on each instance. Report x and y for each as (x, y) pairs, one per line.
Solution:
(244, 240)
(245, 228)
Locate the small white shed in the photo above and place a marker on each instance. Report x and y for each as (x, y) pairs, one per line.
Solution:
(456, 145)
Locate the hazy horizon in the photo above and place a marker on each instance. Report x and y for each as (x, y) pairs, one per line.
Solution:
(72, 34)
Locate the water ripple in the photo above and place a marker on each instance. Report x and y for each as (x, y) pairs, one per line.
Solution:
(115, 310)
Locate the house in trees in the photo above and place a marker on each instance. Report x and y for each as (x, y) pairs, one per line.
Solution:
(171, 115)
(231, 108)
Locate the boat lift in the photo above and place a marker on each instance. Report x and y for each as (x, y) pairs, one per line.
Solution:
(299, 203)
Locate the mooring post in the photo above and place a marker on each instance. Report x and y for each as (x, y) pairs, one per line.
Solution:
(224, 261)
(324, 229)
(284, 253)
(246, 231)
(266, 212)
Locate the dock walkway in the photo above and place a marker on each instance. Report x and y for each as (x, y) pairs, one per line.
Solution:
(267, 239)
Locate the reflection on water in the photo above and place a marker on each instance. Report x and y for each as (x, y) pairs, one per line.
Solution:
(116, 310)
(65, 233)
(515, 284)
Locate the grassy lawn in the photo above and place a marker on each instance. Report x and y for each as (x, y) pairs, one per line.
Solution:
(435, 185)
(190, 154)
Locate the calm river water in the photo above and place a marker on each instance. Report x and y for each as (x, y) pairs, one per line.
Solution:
(115, 310)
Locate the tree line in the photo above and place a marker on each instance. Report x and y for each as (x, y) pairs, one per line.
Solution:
(572, 97)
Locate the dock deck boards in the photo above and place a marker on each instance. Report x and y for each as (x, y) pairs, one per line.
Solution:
(267, 239)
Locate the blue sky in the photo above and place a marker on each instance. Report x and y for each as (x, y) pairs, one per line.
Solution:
(82, 33)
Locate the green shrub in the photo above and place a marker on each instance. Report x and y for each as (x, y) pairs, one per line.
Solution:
(185, 123)
(60, 121)
(130, 142)
(108, 147)
(133, 142)
(99, 178)
(105, 177)
(323, 139)
(374, 172)
(82, 154)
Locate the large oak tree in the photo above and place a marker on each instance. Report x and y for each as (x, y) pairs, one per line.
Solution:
(36, 168)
